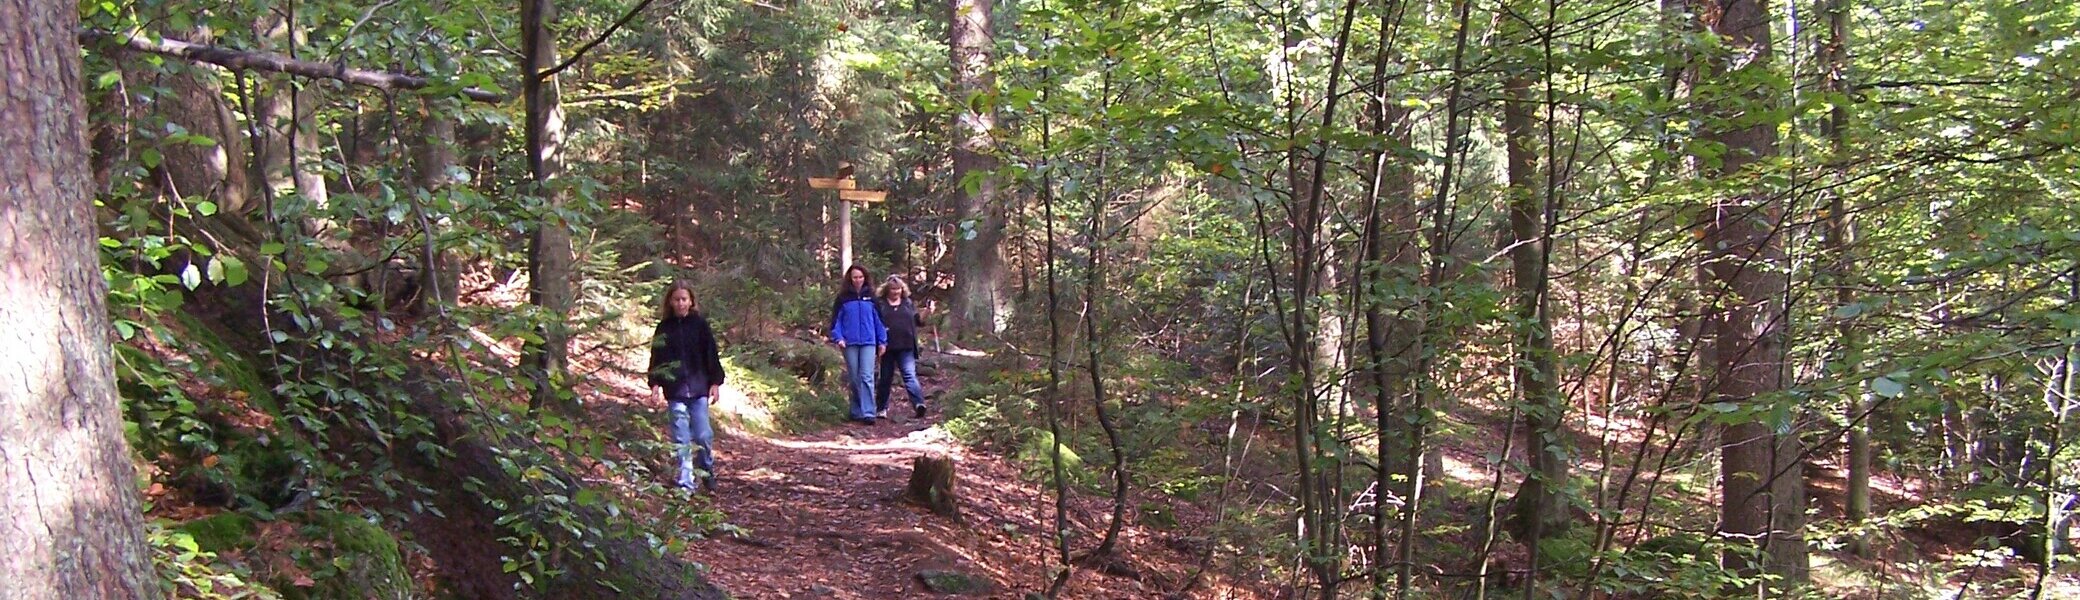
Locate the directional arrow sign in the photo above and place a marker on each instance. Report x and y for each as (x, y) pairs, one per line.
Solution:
(862, 195)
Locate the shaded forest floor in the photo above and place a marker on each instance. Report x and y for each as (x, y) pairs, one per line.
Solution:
(819, 514)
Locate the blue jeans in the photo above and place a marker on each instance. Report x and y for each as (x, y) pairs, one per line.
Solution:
(898, 361)
(690, 428)
(859, 374)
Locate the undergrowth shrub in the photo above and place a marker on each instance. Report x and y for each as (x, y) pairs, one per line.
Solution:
(187, 570)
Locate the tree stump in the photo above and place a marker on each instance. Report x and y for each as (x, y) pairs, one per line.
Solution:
(931, 485)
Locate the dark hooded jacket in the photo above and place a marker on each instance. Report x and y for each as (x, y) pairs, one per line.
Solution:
(902, 322)
(684, 358)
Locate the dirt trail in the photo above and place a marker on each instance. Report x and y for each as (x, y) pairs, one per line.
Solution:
(819, 515)
(823, 518)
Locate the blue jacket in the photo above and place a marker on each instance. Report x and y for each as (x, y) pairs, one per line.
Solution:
(855, 321)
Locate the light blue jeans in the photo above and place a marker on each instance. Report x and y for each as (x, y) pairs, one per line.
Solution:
(691, 428)
(859, 374)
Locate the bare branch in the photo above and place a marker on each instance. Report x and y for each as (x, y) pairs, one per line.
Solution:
(245, 60)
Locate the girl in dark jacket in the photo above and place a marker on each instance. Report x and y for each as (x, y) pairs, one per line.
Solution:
(686, 374)
(857, 330)
(900, 314)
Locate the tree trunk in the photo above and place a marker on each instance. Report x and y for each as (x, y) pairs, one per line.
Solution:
(980, 304)
(549, 268)
(287, 153)
(1094, 340)
(440, 274)
(193, 98)
(1761, 481)
(1541, 509)
(287, 148)
(75, 531)
(1840, 237)
(931, 485)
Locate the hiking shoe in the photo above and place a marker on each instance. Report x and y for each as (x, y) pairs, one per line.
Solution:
(881, 415)
(708, 484)
(919, 410)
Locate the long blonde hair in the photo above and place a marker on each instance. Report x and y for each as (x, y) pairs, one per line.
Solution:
(894, 282)
(664, 303)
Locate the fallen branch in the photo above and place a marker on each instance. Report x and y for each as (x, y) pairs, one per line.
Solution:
(245, 60)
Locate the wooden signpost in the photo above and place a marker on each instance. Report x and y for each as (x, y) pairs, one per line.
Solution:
(848, 194)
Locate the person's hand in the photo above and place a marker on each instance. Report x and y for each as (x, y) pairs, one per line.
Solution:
(657, 392)
(880, 350)
(714, 392)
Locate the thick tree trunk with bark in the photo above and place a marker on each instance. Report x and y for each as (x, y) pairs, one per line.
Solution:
(549, 267)
(69, 508)
(193, 98)
(1762, 485)
(981, 305)
(287, 150)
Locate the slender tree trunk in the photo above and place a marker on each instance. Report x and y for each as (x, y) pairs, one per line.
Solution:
(1438, 253)
(549, 267)
(1839, 244)
(70, 507)
(1541, 507)
(980, 302)
(435, 157)
(1761, 482)
(2060, 401)
(1054, 366)
(1094, 345)
(1386, 333)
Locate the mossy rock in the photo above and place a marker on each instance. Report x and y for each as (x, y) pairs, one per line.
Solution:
(812, 363)
(774, 402)
(1158, 516)
(954, 582)
(1571, 554)
(228, 363)
(346, 557)
(265, 474)
(221, 532)
(1672, 546)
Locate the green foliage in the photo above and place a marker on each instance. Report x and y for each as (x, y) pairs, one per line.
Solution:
(348, 557)
(187, 570)
(780, 401)
(1177, 138)
(1676, 565)
(220, 532)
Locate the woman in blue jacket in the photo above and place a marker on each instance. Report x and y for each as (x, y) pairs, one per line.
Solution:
(857, 330)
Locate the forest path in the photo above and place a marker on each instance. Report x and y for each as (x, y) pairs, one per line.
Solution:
(820, 515)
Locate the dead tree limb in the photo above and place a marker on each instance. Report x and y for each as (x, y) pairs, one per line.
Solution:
(247, 60)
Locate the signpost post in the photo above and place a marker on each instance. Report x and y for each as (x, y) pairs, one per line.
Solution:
(848, 193)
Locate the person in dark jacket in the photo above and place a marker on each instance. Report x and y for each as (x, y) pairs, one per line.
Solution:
(901, 316)
(686, 374)
(857, 330)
